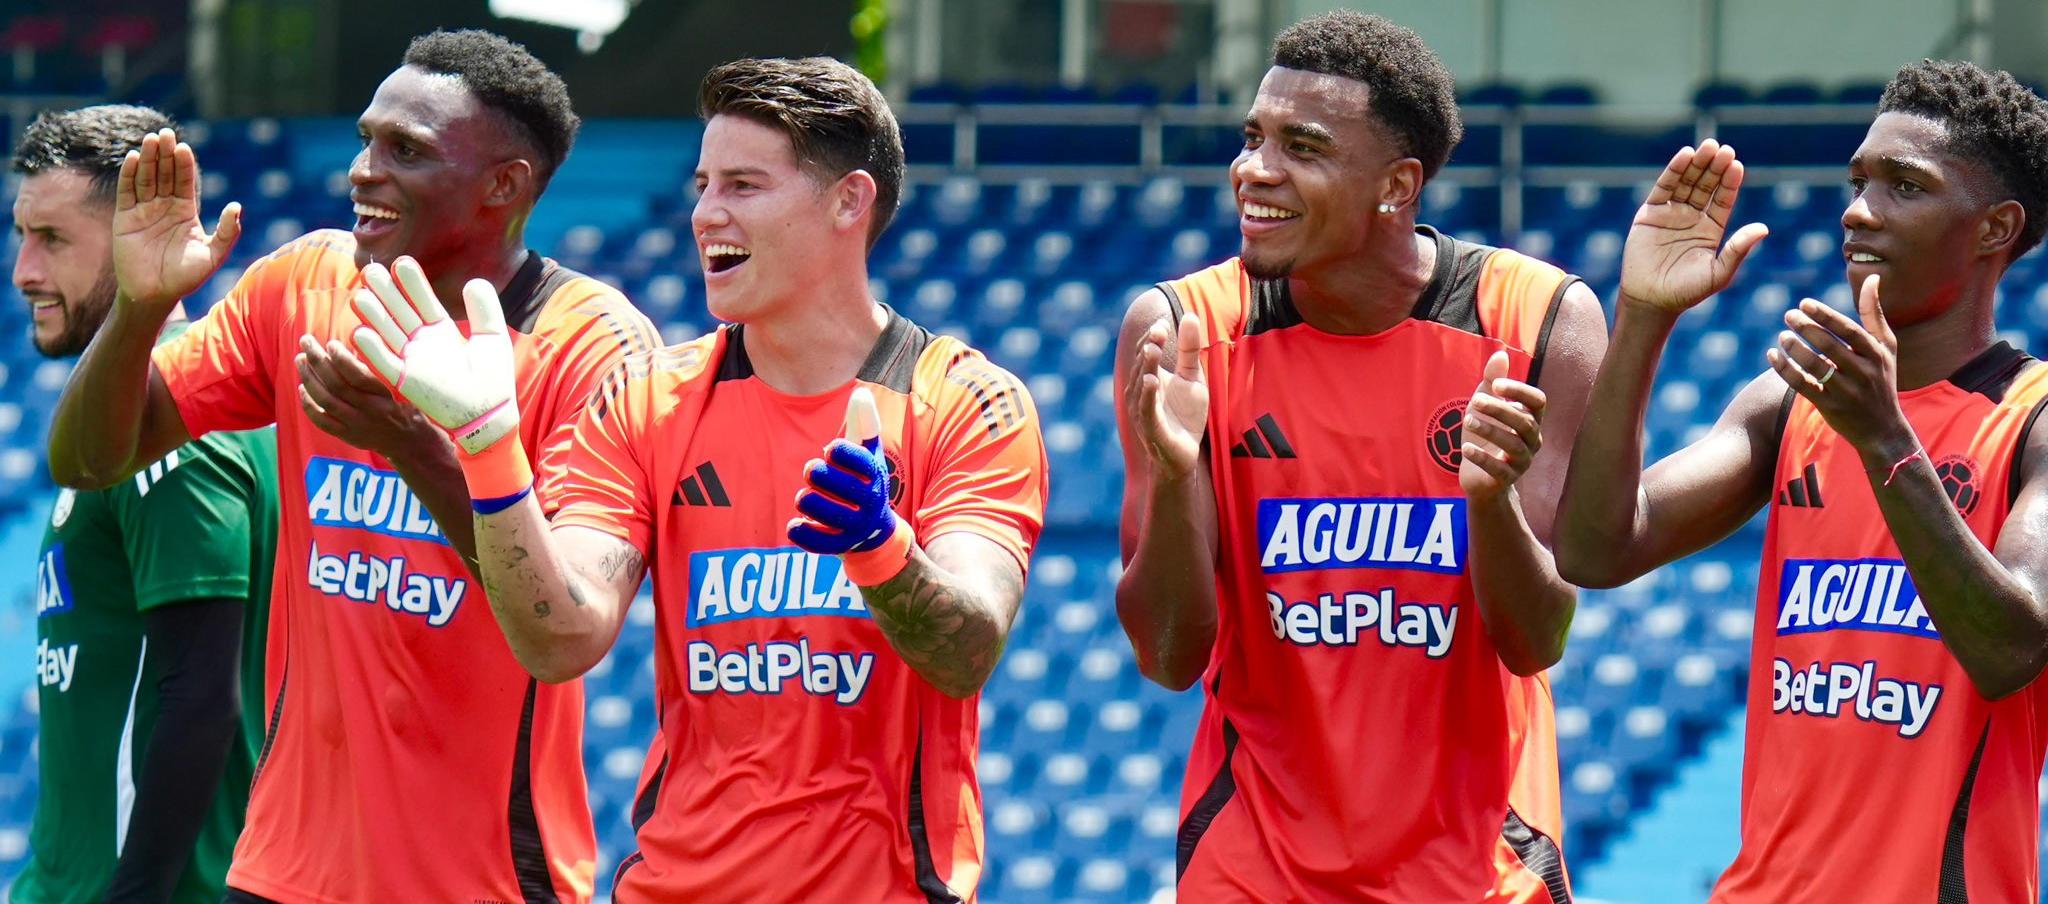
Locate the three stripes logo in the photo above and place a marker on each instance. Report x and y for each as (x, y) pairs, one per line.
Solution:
(1264, 440)
(1802, 491)
(701, 488)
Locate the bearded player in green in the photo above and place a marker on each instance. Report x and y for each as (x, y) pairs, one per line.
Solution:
(151, 596)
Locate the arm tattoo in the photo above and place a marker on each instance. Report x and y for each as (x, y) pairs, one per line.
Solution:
(619, 560)
(938, 626)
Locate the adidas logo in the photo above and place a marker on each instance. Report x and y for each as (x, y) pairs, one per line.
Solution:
(1802, 492)
(1264, 440)
(701, 488)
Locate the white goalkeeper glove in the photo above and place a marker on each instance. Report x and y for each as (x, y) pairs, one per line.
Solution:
(465, 386)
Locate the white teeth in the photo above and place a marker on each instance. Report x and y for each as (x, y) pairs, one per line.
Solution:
(1268, 212)
(1864, 257)
(380, 213)
(721, 249)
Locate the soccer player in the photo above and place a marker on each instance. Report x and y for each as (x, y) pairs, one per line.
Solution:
(1900, 620)
(407, 754)
(1359, 580)
(150, 701)
(817, 673)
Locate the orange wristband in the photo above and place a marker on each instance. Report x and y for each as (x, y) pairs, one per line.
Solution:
(877, 566)
(498, 471)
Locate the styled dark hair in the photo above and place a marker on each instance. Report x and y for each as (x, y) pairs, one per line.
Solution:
(1411, 93)
(836, 120)
(1990, 118)
(508, 79)
(89, 140)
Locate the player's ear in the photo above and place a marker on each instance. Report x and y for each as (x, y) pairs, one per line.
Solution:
(854, 199)
(2001, 226)
(511, 182)
(1401, 185)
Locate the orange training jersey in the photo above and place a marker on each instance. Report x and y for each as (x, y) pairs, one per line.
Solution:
(408, 756)
(1361, 739)
(800, 759)
(1858, 714)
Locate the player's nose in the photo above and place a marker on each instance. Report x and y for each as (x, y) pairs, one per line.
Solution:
(709, 214)
(362, 170)
(1859, 215)
(29, 270)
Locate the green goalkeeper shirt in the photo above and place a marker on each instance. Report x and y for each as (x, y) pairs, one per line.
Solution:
(199, 524)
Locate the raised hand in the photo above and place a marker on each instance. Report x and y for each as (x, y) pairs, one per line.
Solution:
(1169, 399)
(844, 504)
(1674, 258)
(1848, 370)
(463, 385)
(162, 252)
(1502, 432)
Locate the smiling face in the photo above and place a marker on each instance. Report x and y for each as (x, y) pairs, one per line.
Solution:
(422, 182)
(761, 220)
(1917, 218)
(1312, 173)
(65, 266)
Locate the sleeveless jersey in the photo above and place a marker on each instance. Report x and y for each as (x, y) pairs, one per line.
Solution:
(1859, 717)
(1361, 739)
(799, 757)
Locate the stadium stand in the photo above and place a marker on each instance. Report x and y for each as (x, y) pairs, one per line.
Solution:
(1082, 758)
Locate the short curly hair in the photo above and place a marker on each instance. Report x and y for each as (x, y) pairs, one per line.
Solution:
(508, 79)
(89, 140)
(1412, 94)
(1990, 117)
(836, 120)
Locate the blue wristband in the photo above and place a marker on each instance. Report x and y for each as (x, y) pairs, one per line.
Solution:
(494, 506)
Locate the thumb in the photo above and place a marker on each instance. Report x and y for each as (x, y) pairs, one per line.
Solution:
(1873, 313)
(1496, 367)
(226, 231)
(1736, 251)
(863, 420)
(486, 315)
(1188, 357)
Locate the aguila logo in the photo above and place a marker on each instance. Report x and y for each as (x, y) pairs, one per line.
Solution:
(1958, 475)
(1444, 435)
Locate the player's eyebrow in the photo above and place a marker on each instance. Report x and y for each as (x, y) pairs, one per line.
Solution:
(1897, 164)
(731, 171)
(1310, 131)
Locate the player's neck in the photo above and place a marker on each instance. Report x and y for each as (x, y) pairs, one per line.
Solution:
(821, 339)
(1369, 292)
(496, 266)
(1934, 349)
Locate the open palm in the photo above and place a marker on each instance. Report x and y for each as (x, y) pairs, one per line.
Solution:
(1171, 397)
(1674, 258)
(162, 252)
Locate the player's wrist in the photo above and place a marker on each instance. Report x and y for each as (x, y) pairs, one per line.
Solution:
(498, 474)
(882, 563)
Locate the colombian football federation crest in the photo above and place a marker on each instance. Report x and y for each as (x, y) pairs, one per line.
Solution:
(61, 511)
(1444, 434)
(1959, 479)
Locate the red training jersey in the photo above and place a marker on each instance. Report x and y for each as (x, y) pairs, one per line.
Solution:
(1361, 739)
(1858, 714)
(799, 758)
(408, 756)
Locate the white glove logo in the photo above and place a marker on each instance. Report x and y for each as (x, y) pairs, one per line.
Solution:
(465, 385)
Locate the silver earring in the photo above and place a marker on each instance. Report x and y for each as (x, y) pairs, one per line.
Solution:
(1387, 209)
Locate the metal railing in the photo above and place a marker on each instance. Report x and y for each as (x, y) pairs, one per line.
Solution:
(1513, 174)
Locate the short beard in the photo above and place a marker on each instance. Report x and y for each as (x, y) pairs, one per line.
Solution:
(1265, 269)
(82, 319)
